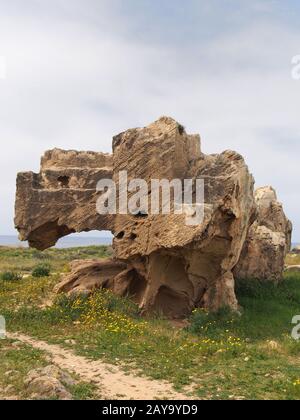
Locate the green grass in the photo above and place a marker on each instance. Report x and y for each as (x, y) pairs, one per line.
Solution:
(11, 276)
(26, 259)
(17, 360)
(266, 311)
(219, 356)
(84, 391)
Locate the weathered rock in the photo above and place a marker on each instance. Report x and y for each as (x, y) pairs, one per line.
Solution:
(181, 266)
(61, 199)
(88, 275)
(49, 382)
(164, 263)
(268, 240)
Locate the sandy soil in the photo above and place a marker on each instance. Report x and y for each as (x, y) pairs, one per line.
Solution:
(111, 381)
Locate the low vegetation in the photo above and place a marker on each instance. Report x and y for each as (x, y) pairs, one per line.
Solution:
(17, 360)
(213, 356)
(41, 270)
(26, 259)
(293, 259)
(11, 276)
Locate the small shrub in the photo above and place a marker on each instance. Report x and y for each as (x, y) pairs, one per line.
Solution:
(11, 276)
(41, 270)
(70, 307)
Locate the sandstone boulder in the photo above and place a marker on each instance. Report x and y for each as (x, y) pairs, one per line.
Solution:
(61, 199)
(88, 275)
(268, 240)
(48, 383)
(163, 261)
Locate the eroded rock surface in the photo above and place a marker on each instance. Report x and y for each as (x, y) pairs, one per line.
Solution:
(165, 264)
(268, 240)
(87, 275)
(48, 383)
(61, 199)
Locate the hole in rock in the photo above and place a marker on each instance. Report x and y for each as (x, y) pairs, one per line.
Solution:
(64, 181)
(141, 214)
(120, 235)
(174, 296)
(171, 303)
(136, 287)
(86, 239)
(181, 129)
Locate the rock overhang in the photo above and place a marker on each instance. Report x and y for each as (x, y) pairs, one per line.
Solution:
(170, 267)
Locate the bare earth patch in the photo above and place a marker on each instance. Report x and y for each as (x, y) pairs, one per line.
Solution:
(112, 382)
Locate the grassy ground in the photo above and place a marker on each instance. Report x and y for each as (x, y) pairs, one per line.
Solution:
(221, 356)
(25, 259)
(17, 360)
(293, 259)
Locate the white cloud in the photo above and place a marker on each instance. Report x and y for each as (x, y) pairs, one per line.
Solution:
(3, 67)
(79, 74)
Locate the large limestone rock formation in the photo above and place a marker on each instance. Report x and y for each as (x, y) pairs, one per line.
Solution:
(61, 199)
(268, 240)
(164, 263)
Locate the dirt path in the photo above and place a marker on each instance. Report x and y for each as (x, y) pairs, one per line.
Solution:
(111, 381)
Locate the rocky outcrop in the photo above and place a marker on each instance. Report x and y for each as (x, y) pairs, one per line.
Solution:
(165, 262)
(49, 383)
(61, 199)
(268, 240)
(87, 275)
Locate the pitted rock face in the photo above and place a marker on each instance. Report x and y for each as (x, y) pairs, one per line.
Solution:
(61, 199)
(268, 240)
(164, 264)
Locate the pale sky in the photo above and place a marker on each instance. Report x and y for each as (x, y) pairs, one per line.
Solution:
(80, 71)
